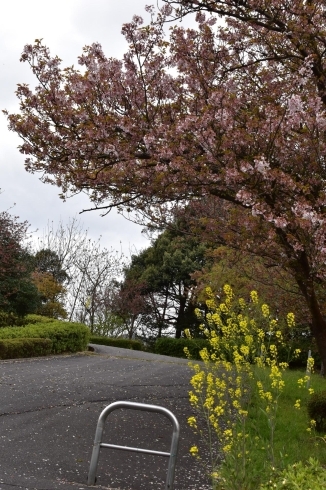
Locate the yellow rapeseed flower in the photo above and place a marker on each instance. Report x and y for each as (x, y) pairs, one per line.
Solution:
(194, 450)
(192, 422)
(290, 319)
(219, 410)
(215, 475)
(265, 310)
(187, 333)
(227, 448)
(254, 297)
(297, 404)
(273, 324)
(242, 303)
(193, 399)
(204, 355)
(310, 364)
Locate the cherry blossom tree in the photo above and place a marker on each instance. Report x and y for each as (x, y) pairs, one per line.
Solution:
(233, 110)
(129, 303)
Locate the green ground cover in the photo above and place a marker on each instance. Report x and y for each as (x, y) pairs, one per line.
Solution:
(294, 440)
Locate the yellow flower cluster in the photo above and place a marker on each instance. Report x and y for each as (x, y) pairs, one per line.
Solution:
(265, 310)
(290, 319)
(297, 404)
(310, 364)
(221, 384)
(303, 381)
(254, 297)
(194, 450)
(192, 422)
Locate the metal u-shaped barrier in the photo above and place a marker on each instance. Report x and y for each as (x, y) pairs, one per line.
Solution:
(135, 406)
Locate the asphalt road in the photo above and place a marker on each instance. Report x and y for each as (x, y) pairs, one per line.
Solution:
(49, 409)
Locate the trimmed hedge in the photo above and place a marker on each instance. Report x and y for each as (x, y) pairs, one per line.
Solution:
(65, 337)
(175, 347)
(24, 347)
(116, 342)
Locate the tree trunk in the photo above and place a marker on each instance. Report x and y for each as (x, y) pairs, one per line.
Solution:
(318, 326)
(318, 322)
(131, 329)
(179, 325)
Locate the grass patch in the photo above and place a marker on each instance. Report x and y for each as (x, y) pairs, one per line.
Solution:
(292, 442)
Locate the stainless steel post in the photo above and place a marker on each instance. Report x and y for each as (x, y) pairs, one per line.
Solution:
(136, 406)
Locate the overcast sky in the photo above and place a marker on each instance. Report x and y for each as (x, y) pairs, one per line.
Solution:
(65, 26)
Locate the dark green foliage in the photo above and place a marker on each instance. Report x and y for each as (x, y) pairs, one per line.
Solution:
(25, 298)
(317, 410)
(66, 337)
(18, 294)
(285, 353)
(165, 272)
(12, 320)
(48, 261)
(298, 337)
(175, 347)
(24, 347)
(33, 318)
(116, 342)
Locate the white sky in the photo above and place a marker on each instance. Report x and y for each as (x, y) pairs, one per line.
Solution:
(65, 26)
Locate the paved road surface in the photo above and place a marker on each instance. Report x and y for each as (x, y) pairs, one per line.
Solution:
(49, 409)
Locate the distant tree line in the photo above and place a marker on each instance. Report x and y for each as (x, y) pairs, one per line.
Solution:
(66, 275)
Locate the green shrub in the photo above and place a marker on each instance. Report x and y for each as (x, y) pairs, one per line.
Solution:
(65, 336)
(24, 347)
(310, 476)
(32, 318)
(317, 410)
(10, 319)
(116, 342)
(13, 320)
(175, 347)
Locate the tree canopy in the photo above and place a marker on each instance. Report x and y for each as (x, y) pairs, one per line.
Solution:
(49, 276)
(18, 294)
(232, 110)
(164, 272)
